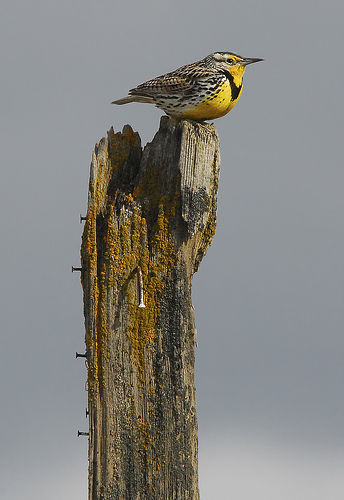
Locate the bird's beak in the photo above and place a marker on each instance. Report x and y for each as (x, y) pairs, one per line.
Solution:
(250, 60)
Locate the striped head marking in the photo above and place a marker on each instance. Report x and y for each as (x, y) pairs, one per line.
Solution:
(228, 62)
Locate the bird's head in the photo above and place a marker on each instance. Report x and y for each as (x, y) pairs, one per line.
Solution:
(227, 61)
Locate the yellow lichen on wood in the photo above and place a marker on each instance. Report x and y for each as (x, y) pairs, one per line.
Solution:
(126, 246)
(144, 323)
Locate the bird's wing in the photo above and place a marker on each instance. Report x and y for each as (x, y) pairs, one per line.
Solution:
(181, 81)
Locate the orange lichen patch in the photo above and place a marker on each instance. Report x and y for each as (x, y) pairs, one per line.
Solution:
(126, 245)
(119, 244)
(108, 155)
(127, 242)
(90, 243)
(144, 323)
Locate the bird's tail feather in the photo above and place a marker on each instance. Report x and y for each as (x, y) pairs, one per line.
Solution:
(133, 98)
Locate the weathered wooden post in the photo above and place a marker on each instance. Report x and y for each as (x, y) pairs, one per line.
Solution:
(151, 217)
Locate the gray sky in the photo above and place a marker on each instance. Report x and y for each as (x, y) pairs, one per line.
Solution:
(269, 295)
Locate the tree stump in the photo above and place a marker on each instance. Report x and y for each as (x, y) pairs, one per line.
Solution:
(151, 217)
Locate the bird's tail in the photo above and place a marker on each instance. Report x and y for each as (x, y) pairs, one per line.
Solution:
(133, 98)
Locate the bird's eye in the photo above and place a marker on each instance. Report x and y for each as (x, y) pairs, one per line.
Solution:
(230, 60)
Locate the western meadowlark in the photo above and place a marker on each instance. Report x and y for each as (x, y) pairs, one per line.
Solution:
(203, 90)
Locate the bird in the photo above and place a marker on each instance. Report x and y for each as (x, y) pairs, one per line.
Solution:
(203, 90)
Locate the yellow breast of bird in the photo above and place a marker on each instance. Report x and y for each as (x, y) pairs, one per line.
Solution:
(214, 105)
